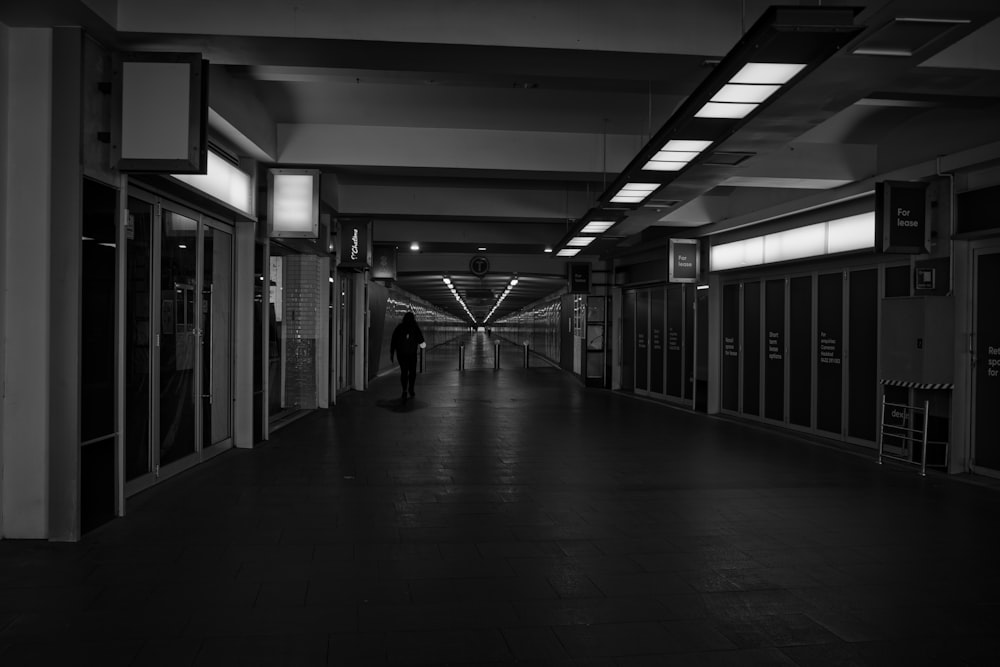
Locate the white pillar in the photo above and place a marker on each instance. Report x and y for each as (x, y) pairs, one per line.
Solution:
(243, 359)
(26, 264)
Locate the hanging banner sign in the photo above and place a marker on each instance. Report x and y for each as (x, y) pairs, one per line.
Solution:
(684, 264)
(384, 262)
(901, 217)
(579, 278)
(354, 244)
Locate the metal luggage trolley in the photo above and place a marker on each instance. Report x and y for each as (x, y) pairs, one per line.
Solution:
(904, 428)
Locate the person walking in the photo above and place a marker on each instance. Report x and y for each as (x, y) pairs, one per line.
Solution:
(406, 340)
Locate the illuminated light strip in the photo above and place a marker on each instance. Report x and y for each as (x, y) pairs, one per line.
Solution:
(856, 232)
(568, 252)
(581, 241)
(224, 181)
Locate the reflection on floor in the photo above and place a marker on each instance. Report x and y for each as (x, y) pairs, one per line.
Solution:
(515, 517)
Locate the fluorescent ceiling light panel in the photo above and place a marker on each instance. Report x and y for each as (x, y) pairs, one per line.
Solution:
(580, 241)
(767, 73)
(725, 110)
(634, 193)
(568, 252)
(693, 145)
(675, 156)
(597, 226)
(659, 165)
(738, 92)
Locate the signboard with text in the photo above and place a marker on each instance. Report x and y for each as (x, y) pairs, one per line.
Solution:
(579, 278)
(683, 261)
(902, 222)
(354, 244)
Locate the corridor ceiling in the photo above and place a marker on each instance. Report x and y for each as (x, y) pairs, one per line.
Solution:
(464, 125)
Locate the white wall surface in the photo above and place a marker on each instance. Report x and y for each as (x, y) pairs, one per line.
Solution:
(27, 174)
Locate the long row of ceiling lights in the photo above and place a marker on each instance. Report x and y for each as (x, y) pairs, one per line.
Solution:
(458, 297)
(746, 90)
(779, 48)
(585, 237)
(513, 283)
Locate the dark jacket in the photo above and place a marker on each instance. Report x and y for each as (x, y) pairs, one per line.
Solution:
(406, 338)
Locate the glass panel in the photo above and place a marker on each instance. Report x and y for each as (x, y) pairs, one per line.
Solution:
(274, 342)
(216, 317)
(731, 347)
(628, 342)
(751, 348)
(641, 333)
(97, 311)
(260, 250)
(774, 349)
(800, 351)
(656, 354)
(178, 336)
(829, 377)
(675, 353)
(138, 309)
(987, 371)
(862, 389)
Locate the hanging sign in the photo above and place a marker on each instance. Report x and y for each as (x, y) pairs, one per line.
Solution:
(384, 262)
(579, 278)
(354, 244)
(901, 217)
(683, 261)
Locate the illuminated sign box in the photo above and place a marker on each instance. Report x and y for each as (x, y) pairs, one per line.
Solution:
(354, 244)
(293, 203)
(684, 262)
(160, 113)
(901, 217)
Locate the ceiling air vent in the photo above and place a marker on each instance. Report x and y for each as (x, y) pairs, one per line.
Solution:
(903, 37)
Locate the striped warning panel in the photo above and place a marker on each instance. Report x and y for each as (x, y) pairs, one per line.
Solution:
(918, 385)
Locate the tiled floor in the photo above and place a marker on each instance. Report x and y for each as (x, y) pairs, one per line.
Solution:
(514, 517)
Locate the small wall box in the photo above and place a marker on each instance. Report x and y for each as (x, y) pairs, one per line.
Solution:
(923, 278)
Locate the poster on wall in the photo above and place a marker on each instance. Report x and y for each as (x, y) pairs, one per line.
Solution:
(683, 261)
(901, 219)
(354, 244)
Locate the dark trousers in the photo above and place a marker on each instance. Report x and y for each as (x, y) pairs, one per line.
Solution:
(407, 372)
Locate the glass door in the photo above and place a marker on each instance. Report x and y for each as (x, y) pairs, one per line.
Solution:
(179, 337)
(986, 363)
(139, 337)
(345, 333)
(216, 337)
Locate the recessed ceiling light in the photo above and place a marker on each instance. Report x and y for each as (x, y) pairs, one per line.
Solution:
(725, 110)
(580, 241)
(634, 193)
(767, 73)
(548, 249)
(482, 248)
(414, 246)
(568, 252)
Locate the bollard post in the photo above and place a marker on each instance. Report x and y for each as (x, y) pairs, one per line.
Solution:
(461, 357)
(526, 355)
(496, 355)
